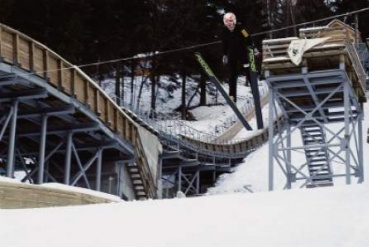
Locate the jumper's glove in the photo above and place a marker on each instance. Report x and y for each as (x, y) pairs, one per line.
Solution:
(256, 52)
(225, 59)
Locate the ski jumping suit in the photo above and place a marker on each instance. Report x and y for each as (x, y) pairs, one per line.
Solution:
(235, 45)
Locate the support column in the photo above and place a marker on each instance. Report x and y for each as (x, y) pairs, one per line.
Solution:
(346, 138)
(198, 182)
(120, 165)
(11, 155)
(68, 156)
(159, 176)
(179, 178)
(41, 157)
(360, 151)
(271, 136)
(289, 158)
(98, 169)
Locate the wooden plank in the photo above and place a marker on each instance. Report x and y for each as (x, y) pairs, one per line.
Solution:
(31, 56)
(24, 54)
(111, 115)
(115, 120)
(98, 105)
(45, 64)
(102, 107)
(38, 60)
(7, 46)
(60, 74)
(339, 32)
(91, 92)
(16, 49)
(86, 90)
(79, 88)
(52, 69)
(67, 83)
(120, 124)
(20, 195)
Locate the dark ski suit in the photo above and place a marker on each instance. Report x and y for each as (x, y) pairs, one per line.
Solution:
(235, 45)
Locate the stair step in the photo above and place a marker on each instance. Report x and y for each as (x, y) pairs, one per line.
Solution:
(135, 176)
(137, 182)
(322, 181)
(317, 158)
(318, 140)
(133, 170)
(313, 139)
(314, 153)
(323, 171)
(321, 184)
(311, 128)
(311, 149)
(139, 187)
(318, 165)
(309, 142)
(312, 136)
(315, 165)
(323, 175)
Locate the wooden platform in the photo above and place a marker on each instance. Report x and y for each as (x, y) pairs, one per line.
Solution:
(338, 52)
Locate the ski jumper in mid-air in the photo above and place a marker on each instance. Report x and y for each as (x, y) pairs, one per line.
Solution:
(235, 40)
(238, 52)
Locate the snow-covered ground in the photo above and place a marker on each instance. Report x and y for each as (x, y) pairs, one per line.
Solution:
(333, 216)
(318, 217)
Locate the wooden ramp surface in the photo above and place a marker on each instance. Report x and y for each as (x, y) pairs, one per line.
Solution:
(15, 195)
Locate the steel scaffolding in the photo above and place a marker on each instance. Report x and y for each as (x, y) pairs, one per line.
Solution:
(322, 109)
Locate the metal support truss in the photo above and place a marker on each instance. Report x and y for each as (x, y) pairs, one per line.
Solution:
(326, 102)
(46, 137)
(187, 182)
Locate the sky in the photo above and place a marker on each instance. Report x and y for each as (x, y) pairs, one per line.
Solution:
(228, 215)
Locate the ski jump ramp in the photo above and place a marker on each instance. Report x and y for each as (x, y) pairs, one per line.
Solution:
(57, 125)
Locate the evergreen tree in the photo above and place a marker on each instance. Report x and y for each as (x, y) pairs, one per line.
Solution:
(310, 10)
(346, 6)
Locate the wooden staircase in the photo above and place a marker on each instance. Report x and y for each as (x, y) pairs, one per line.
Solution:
(137, 182)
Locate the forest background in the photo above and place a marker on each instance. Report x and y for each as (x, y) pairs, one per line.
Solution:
(105, 36)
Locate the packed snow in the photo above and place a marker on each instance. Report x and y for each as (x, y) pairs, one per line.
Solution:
(230, 215)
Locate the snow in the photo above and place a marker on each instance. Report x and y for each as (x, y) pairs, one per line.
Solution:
(230, 215)
(317, 217)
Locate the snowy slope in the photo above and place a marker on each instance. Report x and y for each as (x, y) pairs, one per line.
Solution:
(321, 217)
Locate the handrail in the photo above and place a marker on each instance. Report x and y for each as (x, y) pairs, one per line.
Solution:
(179, 132)
(357, 65)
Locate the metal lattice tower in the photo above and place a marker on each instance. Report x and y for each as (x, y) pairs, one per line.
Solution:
(309, 105)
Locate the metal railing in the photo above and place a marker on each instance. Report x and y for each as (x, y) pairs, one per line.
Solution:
(179, 132)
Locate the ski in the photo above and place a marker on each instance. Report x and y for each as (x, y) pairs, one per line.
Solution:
(218, 85)
(255, 87)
